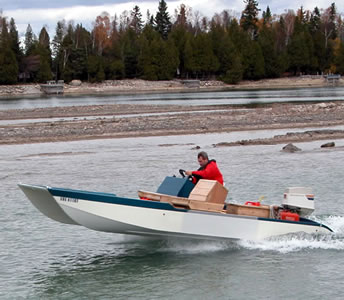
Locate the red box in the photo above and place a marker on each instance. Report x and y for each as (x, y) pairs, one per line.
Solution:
(289, 216)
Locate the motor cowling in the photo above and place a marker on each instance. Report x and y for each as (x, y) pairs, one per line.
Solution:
(299, 200)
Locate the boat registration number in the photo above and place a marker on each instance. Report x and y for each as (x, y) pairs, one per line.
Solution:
(65, 199)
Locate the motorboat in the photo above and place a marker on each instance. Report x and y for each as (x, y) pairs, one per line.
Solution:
(180, 209)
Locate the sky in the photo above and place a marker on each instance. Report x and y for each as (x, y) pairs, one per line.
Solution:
(39, 13)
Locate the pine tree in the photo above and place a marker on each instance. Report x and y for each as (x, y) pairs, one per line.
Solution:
(190, 64)
(44, 38)
(339, 60)
(333, 14)
(253, 62)
(162, 20)
(8, 61)
(249, 18)
(130, 52)
(8, 67)
(204, 55)
(158, 58)
(30, 39)
(235, 73)
(266, 41)
(136, 22)
(267, 16)
(315, 21)
(14, 40)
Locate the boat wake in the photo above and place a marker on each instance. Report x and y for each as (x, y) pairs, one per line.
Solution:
(198, 247)
(301, 241)
(281, 244)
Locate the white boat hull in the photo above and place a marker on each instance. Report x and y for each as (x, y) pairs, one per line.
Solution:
(109, 213)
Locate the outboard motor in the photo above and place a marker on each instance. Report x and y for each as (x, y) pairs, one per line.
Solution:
(299, 200)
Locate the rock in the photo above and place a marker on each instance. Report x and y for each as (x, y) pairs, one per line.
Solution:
(327, 145)
(290, 148)
(321, 105)
(196, 148)
(75, 82)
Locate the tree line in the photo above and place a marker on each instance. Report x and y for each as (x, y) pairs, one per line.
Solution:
(227, 47)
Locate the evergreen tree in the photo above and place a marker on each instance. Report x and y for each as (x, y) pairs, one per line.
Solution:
(267, 16)
(235, 73)
(8, 66)
(249, 18)
(254, 65)
(30, 39)
(159, 58)
(136, 20)
(95, 68)
(298, 53)
(339, 60)
(162, 20)
(8, 61)
(130, 52)
(168, 60)
(190, 62)
(266, 41)
(57, 51)
(315, 21)
(14, 40)
(207, 62)
(333, 13)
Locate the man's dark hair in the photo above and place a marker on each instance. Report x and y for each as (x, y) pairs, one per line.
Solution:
(203, 154)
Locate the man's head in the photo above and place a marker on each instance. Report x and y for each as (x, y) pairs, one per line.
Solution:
(202, 158)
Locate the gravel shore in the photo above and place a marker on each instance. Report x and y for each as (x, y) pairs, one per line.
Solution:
(112, 121)
(138, 85)
(125, 120)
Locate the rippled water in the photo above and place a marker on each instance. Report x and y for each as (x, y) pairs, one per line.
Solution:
(182, 98)
(43, 259)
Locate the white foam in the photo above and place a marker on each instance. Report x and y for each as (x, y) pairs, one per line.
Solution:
(301, 241)
(336, 223)
(197, 247)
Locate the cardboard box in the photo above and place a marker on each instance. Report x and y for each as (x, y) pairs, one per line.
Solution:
(209, 191)
(262, 211)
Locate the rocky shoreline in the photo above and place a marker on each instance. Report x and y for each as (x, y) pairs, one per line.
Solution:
(126, 120)
(138, 85)
(290, 137)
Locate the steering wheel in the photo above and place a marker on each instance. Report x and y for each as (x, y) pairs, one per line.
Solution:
(190, 177)
(182, 172)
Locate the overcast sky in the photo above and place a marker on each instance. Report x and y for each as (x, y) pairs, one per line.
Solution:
(42, 12)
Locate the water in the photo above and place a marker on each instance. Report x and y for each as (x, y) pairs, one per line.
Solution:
(181, 98)
(43, 259)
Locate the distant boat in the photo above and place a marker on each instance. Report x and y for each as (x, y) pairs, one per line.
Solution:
(53, 87)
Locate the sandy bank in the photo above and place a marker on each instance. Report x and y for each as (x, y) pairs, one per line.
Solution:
(167, 120)
(137, 85)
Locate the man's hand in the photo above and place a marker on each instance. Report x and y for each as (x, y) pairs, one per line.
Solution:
(188, 173)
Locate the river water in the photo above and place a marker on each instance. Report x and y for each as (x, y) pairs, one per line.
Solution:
(43, 259)
(181, 98)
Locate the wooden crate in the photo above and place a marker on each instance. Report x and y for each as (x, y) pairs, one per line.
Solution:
(262, 211)
(206, 206)
(209, 191)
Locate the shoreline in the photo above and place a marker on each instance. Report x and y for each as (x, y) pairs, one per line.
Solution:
(143, 86)
(179, 120)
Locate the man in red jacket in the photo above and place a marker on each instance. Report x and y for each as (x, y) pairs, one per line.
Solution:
(208, 169)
